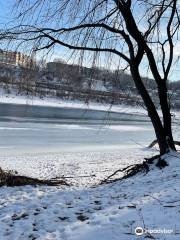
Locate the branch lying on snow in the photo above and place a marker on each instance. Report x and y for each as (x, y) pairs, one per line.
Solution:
(81, 176)
(128, 172)
(11, 179)
(155, 142)
(132, 170)
(162, 203)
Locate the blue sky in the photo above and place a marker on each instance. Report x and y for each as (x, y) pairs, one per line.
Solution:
(6, 16)
(6, 11)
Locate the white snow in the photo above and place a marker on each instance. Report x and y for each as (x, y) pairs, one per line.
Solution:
(107, 212)
(105, 127)
(96, 164)
(127, 128)
(11, 129)
(56, 102)
(71, 126)
(86, 211)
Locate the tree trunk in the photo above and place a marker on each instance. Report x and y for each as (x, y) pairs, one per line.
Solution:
(163, 131)
(163, 96)
(152, 112)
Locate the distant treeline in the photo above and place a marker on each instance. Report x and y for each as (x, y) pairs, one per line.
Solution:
(76, 82)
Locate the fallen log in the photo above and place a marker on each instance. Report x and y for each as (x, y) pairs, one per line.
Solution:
(12, 179)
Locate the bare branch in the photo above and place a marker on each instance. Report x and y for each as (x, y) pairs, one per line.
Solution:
(57, 41)
(171, 46)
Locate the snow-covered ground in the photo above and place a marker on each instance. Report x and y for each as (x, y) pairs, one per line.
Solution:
(106, 212)
(56, 102)
(79, 168)
(85, 211)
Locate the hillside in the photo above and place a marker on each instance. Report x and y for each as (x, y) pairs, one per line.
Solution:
(72, 82)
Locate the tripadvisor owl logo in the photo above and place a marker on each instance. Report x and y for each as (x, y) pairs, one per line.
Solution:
(139, 231)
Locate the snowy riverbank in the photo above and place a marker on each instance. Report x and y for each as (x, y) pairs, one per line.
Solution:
(106, 212)
(80, 212)
(56, 102)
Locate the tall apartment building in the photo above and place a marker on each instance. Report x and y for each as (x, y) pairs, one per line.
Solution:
(17, 59)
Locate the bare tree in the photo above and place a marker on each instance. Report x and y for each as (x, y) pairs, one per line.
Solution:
(140, 33)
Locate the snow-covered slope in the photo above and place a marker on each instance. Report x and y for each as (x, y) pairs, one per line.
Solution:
(108, 212)
(55, 102)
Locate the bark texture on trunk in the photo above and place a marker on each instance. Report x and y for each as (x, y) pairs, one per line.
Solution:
(167, 121)
(152, 112)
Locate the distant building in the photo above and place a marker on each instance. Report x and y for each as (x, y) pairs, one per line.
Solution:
(54, 66)
(17, 59)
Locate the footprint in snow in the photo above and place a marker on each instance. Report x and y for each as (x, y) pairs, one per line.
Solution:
(82, 217)
(63, 218)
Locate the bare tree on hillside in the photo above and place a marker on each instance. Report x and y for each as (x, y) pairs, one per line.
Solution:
(142, 34)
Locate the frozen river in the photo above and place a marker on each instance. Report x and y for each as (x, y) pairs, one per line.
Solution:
(19, 136)
(72, 148)
(48, 148)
